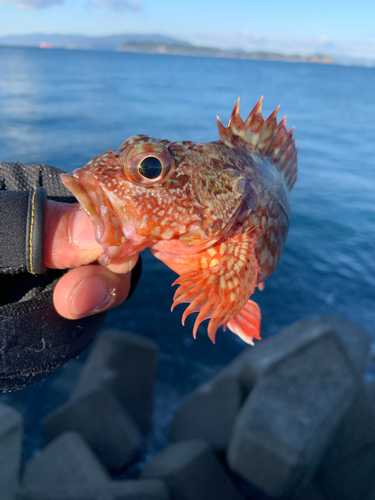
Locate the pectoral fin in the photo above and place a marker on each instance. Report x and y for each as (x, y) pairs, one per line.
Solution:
(221, 290)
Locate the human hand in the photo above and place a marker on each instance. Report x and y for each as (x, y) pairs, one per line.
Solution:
(69, 242)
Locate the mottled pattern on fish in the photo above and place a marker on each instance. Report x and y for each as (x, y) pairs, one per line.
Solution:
(216, 213)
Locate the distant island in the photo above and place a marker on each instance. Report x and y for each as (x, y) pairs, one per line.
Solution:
(150, 44)
(150, 47)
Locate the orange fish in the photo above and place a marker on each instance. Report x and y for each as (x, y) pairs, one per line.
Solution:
(216, 213)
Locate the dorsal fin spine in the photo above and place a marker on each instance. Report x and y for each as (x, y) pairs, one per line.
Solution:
(270, 139)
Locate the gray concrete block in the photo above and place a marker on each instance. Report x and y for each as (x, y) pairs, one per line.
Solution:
(125, 364)
(103, 423)
(355, 431)
(260, 359)
(209, 413)
(353, 479)
(309, 492)
(370, 495)
(65, 462)
(140, 489)
(254, 362)
(66, 492)
(356, 340)
(237, 369)
(104, 495)
(11, 430)
(371, 388)
(290, 416)
(355, 437)
(192, 472)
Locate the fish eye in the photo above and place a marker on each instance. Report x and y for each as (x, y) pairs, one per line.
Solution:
(150, 168)
(148, 164)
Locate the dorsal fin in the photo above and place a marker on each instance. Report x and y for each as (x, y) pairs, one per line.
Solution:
(267, 137)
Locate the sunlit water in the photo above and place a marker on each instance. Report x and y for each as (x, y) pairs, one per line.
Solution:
(64, 107)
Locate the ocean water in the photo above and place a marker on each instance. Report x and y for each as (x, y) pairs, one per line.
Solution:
(63, 107)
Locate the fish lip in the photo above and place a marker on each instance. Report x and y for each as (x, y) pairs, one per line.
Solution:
(72, 182)
(92, 197)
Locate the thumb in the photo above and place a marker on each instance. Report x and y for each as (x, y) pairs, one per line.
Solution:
(69, 239)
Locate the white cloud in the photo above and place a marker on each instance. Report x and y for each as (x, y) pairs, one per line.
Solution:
(30, 4)
(106, 4)
(118, 4)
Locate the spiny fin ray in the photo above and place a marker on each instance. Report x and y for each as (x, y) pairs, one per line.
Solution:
(270, 139)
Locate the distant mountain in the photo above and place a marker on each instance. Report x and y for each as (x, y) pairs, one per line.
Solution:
(152, 47)
(267, 48)
(82, 42)
(344, 51)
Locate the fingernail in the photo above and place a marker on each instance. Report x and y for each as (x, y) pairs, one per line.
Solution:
(90, 296)
(82, 230)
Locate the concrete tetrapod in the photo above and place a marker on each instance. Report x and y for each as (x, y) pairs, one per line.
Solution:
(125, 364)
(192, 472)
(347, 470)
(103, 423)
(288, 419)
(209, 413)
(66, 463)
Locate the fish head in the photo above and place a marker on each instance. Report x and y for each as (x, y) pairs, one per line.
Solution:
(175, 197)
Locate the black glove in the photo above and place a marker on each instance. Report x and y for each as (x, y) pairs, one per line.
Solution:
(34, 338)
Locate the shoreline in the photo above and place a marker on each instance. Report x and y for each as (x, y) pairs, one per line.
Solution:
(193, 51)
(256, 56)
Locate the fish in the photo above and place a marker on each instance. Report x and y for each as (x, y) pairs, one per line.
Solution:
(216, 213)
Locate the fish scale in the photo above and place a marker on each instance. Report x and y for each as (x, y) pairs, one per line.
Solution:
(216, 213)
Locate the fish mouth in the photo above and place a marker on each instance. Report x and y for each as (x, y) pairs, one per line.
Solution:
(112, 229)
(86, 200)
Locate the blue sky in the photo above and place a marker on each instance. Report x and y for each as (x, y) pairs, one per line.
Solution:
(234, 23)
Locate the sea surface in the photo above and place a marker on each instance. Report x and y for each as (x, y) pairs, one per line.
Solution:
(63, 107)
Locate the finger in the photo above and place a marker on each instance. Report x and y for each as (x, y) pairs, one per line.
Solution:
(124, 266)
(88, 290)
(69, 238)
